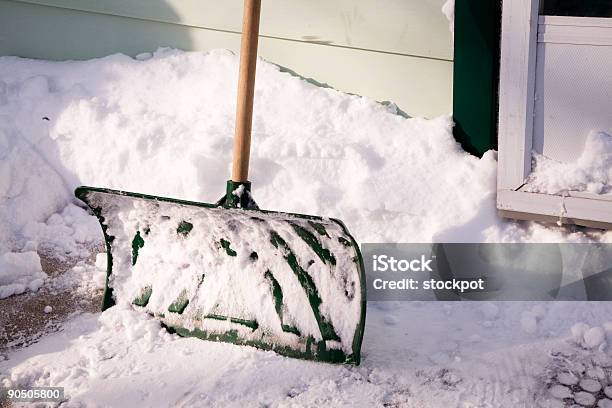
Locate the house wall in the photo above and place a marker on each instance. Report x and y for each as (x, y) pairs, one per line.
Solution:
(392, 50)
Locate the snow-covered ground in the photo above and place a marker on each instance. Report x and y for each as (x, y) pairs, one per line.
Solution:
(420, 354)
(162, 124)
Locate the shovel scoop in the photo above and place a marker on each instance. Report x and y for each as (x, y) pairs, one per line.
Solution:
(229, 271)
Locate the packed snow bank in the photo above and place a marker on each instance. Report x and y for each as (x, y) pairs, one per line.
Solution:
(592, 171)
(164, 126)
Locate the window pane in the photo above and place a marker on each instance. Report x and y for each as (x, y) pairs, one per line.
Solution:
(577, 8)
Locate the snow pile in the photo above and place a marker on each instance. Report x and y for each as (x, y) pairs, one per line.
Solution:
(20, 272)
(68, 233)
(83, 279)
(65, 233)
(592, 171)
(164, 126)
(30, 189)
(589, 337)
(35, 212)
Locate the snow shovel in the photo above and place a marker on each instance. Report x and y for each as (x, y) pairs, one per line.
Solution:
(229, 271)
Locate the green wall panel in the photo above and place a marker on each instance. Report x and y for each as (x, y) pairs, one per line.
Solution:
(476, 73)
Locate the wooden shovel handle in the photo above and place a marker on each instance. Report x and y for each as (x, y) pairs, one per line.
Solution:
(246, 88)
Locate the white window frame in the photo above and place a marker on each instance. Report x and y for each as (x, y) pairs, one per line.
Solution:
(520, 20)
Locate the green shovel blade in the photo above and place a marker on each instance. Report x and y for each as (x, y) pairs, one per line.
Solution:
(289, 283)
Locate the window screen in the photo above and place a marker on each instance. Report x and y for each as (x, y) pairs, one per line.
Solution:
(577, 8)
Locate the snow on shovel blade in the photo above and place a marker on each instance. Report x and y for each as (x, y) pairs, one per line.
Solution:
(284, 282)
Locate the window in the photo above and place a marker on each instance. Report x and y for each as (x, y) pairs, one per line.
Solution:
(554, 93)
